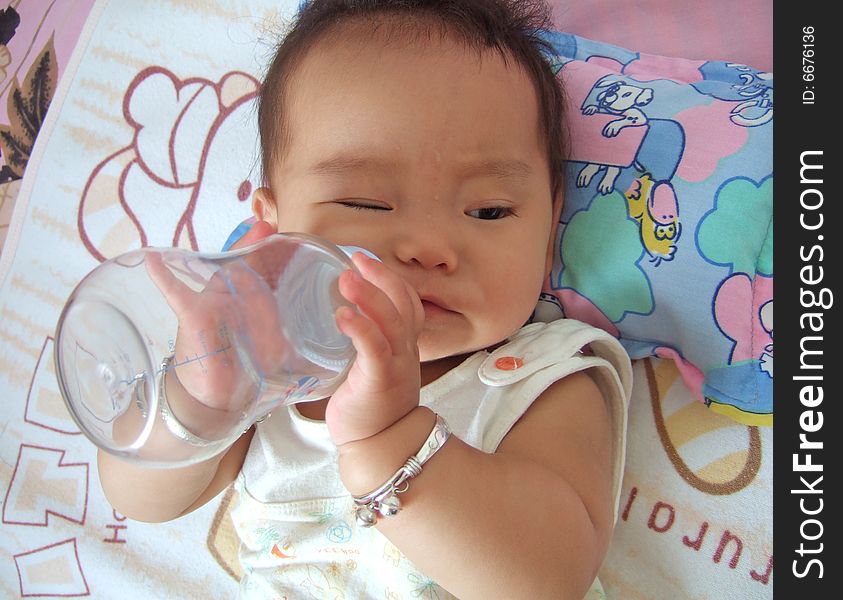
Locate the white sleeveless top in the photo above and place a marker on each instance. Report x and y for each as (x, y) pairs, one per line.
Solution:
(299, 538)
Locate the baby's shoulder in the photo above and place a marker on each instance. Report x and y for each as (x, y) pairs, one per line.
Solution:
(563, 343)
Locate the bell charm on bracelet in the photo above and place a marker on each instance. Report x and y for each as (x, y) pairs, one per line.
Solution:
(384, 501)
(389, 506)
(366, 517)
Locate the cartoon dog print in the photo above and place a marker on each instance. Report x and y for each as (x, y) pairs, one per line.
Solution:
(733, 82)
(621, 99)
(757, 87)
(766, 358)
(548, 309)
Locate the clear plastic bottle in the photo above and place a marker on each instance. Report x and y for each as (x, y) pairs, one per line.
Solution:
(165, 356)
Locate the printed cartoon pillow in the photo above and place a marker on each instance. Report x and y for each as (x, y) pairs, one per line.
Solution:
(666, 237)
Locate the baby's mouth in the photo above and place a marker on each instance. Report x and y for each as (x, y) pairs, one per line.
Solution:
(432, 308)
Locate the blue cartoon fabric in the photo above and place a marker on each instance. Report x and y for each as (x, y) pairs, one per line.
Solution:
(666, 239)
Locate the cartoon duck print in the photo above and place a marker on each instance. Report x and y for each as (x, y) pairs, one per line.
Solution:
(653, 205)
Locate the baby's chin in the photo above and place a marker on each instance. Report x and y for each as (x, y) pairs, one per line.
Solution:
(439, 342)
(433, 352)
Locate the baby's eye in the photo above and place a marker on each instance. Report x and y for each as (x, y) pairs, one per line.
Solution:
(491, 213)
(362, 205)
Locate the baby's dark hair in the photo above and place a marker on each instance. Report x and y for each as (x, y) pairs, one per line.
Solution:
(512, 27)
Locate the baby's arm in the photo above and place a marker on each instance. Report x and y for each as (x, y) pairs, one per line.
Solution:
(532, 520)
(157, 495)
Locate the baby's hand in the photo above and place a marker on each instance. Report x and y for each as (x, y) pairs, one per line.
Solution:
(236, 303)
(384, 381)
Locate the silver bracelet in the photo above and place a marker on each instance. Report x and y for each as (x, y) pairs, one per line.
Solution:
(384, 500)
(170, 420)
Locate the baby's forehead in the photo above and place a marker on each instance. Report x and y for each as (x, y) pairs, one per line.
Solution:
(357, 64)
(421, 34)
(398, 29)
(428, 94)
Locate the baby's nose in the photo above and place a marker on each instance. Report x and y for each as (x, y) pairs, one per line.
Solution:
(427, 247)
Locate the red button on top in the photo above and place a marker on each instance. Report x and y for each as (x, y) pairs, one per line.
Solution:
(509, 363)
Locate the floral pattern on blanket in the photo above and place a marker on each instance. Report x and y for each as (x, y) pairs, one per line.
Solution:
(36, 41)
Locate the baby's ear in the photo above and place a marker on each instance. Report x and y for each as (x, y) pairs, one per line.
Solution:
(264, 207)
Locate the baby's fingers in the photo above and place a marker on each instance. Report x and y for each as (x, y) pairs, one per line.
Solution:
(401, 294)
(378, 307)
(373, 349)
(178, 296)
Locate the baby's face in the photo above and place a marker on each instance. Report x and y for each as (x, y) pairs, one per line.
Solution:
(431, 159)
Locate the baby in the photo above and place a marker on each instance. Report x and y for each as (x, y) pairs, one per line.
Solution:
(486, 453)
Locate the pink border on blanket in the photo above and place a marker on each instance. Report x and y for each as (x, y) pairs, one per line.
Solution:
(41, 19)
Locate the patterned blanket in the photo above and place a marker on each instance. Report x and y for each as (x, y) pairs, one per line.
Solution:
(150, 140)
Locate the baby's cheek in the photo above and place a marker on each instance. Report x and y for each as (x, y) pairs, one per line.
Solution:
(518, 296)
(501, 319)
